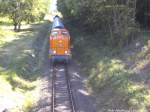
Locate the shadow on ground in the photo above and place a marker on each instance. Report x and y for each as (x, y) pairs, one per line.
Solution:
(21, 56)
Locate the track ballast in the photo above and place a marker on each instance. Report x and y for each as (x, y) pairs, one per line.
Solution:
(62, 96)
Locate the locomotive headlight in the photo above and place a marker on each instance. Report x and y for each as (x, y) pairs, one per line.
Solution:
(54, 52)
(66, 52)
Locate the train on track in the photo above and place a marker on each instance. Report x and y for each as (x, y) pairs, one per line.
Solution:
(59, 42)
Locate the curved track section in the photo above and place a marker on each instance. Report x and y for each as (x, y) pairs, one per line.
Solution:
(62, 97)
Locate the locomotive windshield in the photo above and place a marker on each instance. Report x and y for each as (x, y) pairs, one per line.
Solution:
(65, 33)
(54, 34)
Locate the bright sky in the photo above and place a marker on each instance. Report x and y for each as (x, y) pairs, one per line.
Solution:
(53, 11)
(53, 6)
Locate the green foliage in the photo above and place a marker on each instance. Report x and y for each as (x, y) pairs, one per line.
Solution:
(36, 9)
(19, 70)
(143, 12)
(109, 76)
(24, 10)
(115, 17)
(5, 21)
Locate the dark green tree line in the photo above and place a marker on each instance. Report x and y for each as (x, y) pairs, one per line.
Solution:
(143, 12)
(115, 17)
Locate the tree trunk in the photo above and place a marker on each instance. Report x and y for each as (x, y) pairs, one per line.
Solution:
(19, 27)
(15, 26)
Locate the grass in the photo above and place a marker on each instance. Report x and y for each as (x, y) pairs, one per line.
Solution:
(114, 83)
(6, 36)
(17, 90)
(5, 21)
(18, 69)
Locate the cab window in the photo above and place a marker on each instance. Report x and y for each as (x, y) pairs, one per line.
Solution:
(64, 33)
(54, 34)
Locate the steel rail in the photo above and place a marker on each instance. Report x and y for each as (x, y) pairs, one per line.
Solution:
(69, 89)
(72, 101)
(53, 90)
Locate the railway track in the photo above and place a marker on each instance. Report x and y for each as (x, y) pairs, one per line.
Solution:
(62, 96)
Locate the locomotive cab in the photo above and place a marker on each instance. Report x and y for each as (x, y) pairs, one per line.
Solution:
(59, 48)
(60, 45)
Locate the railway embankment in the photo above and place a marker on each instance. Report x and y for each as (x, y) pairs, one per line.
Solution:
(21, 64)
(118, 78)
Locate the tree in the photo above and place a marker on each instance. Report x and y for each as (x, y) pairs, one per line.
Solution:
(24, 10)
(115, 17)
(36, 9)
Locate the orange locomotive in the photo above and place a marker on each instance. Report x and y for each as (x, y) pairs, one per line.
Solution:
(59, 49)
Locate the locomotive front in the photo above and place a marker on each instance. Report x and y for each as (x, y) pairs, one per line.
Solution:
(59, 49)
